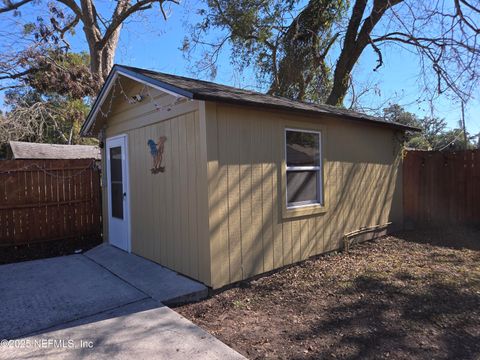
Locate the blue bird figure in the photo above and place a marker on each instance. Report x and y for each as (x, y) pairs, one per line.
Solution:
(156, 149)
(153, 148)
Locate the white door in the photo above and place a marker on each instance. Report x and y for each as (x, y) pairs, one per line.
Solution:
(118, 196)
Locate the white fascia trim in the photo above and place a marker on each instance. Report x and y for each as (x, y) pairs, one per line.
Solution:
(104, 93)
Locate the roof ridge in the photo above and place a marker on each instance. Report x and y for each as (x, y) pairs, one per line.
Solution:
(185, 78)
(48, 144)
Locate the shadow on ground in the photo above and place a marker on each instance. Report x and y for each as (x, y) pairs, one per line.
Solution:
(416, 295)
(466, 237)
(383, 320)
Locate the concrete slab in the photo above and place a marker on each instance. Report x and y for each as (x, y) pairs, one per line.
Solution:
(153, 279)
(39, 294)
(153, 334)
(131, 308)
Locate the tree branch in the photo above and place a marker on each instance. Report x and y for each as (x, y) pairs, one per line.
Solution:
(356, 39)
(469, 23)
(13, 6)
(379, 54)
(73, 6)
(15, 75)
(122, 14)
(8, 87)
(67, 27)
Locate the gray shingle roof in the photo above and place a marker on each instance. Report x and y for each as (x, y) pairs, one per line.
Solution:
(205, 90)
(26, 150)
(209, 91)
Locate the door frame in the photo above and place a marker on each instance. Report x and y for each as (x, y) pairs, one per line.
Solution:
(126, 177)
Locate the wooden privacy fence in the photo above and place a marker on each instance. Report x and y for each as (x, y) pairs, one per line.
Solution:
(441, 188)
(46, 200)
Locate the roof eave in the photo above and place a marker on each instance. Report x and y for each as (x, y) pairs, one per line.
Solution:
(397, 126)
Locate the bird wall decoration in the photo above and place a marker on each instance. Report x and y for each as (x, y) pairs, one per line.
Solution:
(156, 150)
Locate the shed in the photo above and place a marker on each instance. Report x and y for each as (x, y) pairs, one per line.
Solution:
(222, 184)
(28, 150)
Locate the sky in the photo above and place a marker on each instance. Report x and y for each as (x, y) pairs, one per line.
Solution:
(150, 42)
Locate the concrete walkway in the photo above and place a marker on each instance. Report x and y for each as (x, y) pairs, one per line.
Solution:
(153, 334)
(156, 281)
(110, 300)
(36, 295)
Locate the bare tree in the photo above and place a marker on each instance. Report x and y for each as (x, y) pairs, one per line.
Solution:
(101, 33)
(52, 120)
(26, 123)
(444, 34)
(48, 87)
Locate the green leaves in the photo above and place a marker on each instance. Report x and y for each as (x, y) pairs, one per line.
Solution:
(287, 42)
(304, 73)
(28, 28)
(434, 135)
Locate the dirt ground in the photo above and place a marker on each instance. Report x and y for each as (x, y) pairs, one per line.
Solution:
(12, 254)
(416, 295)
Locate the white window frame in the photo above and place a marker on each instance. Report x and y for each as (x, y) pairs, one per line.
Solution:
(317, 168)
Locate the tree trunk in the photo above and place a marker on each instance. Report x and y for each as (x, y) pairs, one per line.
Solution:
(339, 89)
(355, 42)
(108, 53)
(102, 58)
(96, 64)
(345, 62)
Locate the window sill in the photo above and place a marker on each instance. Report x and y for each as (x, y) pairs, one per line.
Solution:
(288, 213)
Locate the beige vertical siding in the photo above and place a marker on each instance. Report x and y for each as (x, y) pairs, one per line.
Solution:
(215, 214)
(168, 222)
(248, 234)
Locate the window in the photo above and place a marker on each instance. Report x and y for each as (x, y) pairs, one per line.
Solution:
(116, 181)
(303, 168)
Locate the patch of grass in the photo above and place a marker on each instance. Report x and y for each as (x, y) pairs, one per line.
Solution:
(239, 304)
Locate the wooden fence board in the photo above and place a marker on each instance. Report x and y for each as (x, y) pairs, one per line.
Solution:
(441, 188)
(44, 200)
